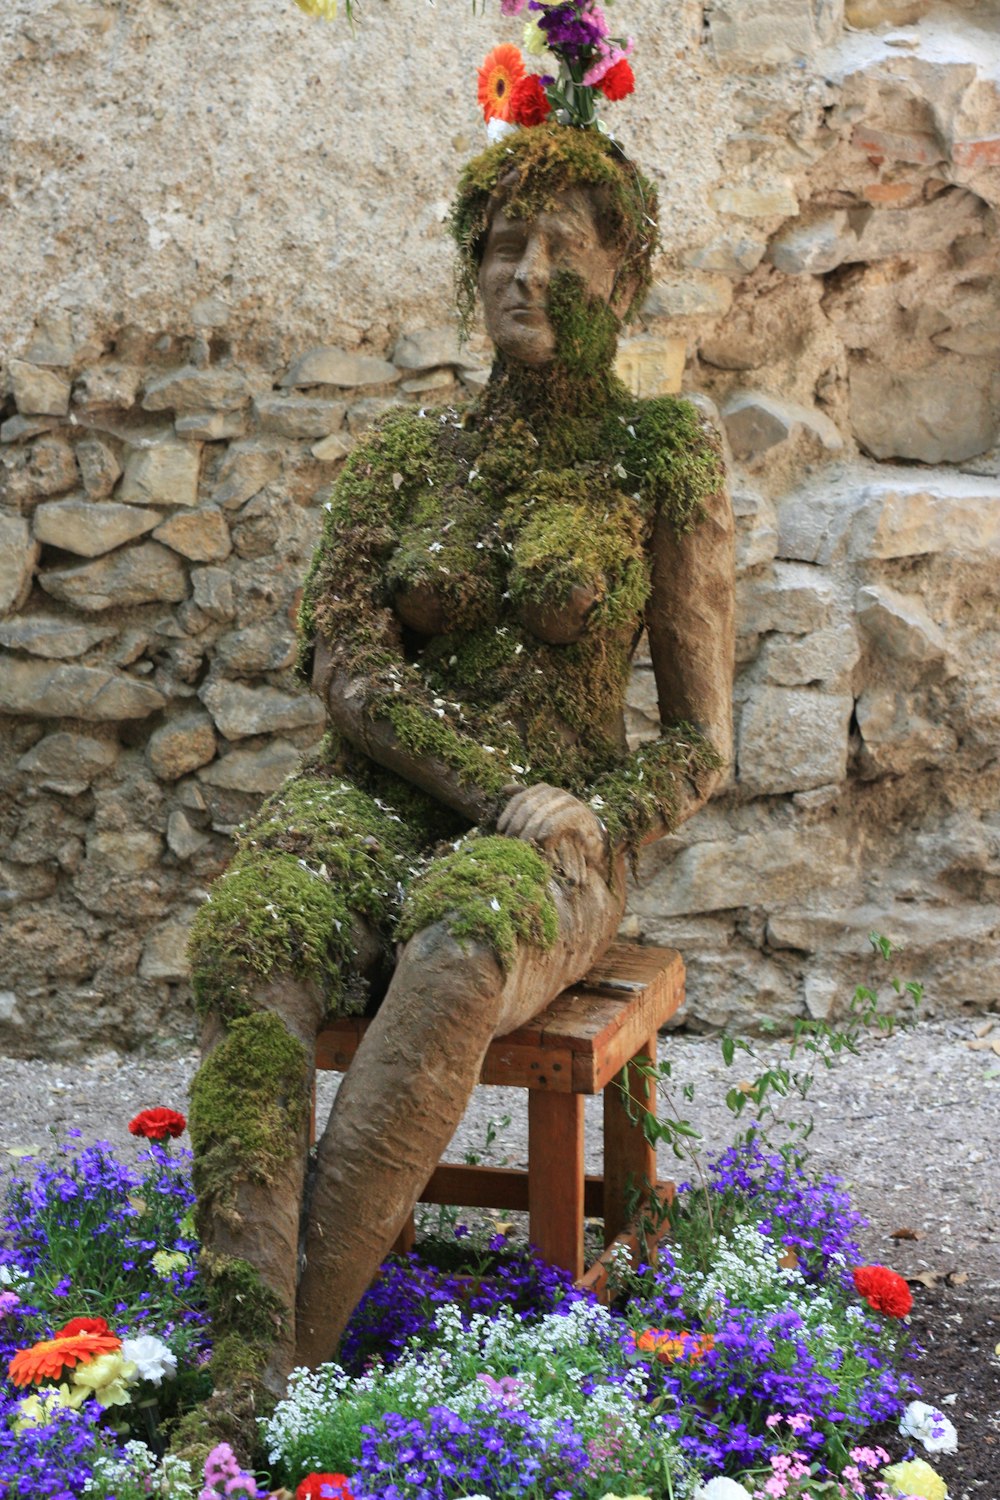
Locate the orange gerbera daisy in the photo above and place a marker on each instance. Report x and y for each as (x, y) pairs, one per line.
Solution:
(47, 1359)
(497, 77)
(669, 1346)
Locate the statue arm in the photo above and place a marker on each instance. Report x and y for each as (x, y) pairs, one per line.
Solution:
(690, 620)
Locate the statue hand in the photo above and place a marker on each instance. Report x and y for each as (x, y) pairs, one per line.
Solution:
(568, 832)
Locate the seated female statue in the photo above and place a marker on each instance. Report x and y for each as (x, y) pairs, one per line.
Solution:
(455, 855)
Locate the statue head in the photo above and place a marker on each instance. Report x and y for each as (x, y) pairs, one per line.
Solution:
(546, 212)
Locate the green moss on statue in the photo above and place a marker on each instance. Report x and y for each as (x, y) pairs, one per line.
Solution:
(495, 890)
(249, 1103)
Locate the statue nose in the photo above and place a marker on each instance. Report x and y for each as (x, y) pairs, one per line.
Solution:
(533, 268)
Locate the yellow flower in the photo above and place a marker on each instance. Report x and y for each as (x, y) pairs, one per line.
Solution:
(39, 1408)
(325, 8)
(107, 1377)
(916, 1478)
(165, 1262)
(534, 39)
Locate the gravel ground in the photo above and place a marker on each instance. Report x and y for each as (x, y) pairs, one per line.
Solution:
(911, 1125)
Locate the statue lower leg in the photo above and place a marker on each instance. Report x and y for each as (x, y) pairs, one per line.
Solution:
(409, 1084)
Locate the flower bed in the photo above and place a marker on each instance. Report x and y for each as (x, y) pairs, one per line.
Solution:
(756, 1359)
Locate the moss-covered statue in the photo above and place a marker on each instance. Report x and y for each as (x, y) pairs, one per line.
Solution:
(455, 856)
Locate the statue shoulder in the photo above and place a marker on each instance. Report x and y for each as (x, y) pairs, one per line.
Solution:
(677, 457)
(407, 450)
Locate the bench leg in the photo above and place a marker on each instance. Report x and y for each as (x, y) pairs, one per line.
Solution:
(555, 1177)
(629, 1159)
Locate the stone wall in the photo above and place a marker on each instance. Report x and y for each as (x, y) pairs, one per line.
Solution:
(178, 404)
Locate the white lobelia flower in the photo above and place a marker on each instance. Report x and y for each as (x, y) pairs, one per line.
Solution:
(721, 1488)
(151, 1356)
(930, 1427)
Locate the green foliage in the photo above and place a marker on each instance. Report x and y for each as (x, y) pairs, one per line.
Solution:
(494, 890)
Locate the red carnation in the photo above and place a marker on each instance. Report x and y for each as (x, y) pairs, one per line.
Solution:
(884, 1290)
(157, 1124)
(324, 1487)
(81, 1325)
(528, 102)
(618, 81)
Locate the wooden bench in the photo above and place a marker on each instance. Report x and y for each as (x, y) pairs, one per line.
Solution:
(578, 1045)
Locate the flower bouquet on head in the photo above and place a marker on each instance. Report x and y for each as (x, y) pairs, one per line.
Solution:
(591, 64)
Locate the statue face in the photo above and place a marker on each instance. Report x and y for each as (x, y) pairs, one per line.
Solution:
(519, 260)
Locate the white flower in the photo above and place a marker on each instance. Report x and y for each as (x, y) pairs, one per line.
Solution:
(151, 1356)
(721, 1489)
(930, 1427)
(497, 129)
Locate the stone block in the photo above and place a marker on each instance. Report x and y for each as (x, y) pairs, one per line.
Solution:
(181, 745)
(299, 416)
(257, 648)
(263, 770)
(201, 390)
(896, 738)
(183, 840)
(333, 448)
(16, 429)
(756, 424)
(899, 625)
(689, 297)
(327, 365)
(766, 867)
(240, 711)
(795, 599)
(68, 763)
(133, 575)
(792, 739)
(813, 248)
(427, 348)
(955, 515)
(245, 471)
(38, 392)
(432, 380)
(74, 692)
(213, 592)
(743, 32)
(943, 413)
(865, 13)
(365, 413)
(52, 341)
(732, 253)
(123, 851)
(164, 953)
(823, 658)
(115, 385)
(47, 468)
(881, 233)
(651, 364)
(201, 535)
(54, 636)
(773, 200)
(213, 426)
(90, 528)
(99, 467)
(18, 556)
(164, 474)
